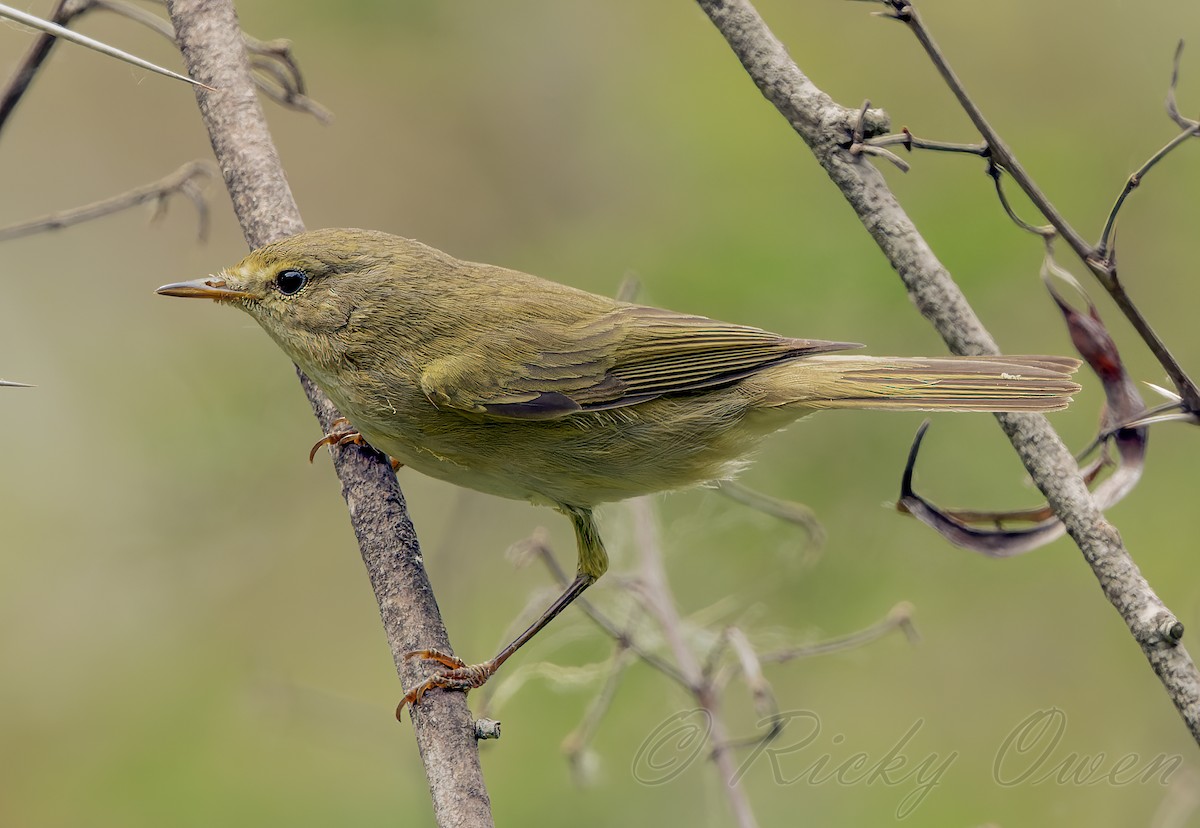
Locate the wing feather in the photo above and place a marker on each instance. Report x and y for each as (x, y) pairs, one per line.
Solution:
(627, 356)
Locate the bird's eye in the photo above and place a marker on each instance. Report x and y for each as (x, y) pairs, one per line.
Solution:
(290, 282)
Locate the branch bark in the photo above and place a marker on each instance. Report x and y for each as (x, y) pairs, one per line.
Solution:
(825, 127)
(210, 39)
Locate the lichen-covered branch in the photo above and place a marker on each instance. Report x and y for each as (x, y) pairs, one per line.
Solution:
(186, 181)
(210, 39)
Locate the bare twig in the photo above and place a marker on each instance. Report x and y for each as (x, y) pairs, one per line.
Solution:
(704, 682)
(825, 127)
(1045, 231)
(186, 181)
(210, 39)
(275, 70)
(906, 139)
(860, 145)
(278, 76)
(1172, 104)
(1097, 259)
(575, 744)
(538, 545)
(662, 607)
(787, 510)
(64, 11)
(55, 30)
(1191, 129)
(750, 664)
(898, 617)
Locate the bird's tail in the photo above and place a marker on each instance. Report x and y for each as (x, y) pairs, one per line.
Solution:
(980, 383)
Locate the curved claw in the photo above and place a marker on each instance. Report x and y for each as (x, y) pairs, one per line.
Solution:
(339, 430)
(456, 675)
(342, 434)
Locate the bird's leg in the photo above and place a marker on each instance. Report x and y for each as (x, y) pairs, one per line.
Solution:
(458, 675)
(341, 433)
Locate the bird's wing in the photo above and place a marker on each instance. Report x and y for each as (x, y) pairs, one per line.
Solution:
(627, 356)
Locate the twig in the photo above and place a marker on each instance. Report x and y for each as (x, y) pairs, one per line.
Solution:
(62, 13)
(276, 73)
(910, 142)
(274, 59)
(576, 743)
(55, 30)
(210, 39)
(1191, 129)
(271, 59)
(750, 664)
(1098, 260)
(899, 617)
(1172, 104)
(185, 181)
(824, 126)
(1045, 231)
(787, 510)
(703, 682)
(662, 607)
(537, 544)
(859, 145)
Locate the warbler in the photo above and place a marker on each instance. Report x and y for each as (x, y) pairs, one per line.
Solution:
(528, 389)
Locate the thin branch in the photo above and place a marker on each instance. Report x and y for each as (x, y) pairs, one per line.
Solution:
(859, 145)
(1131, 184)
(1172, 104)
(1191, 129)
(662, 607)
(825, 127)
(186, 181)
(786, 510)
(906, 139)
(910, 142)
(275, 70)
(210, 39)
(1045, 231)
(1096, 259)
(64, 11)
(538, 546)
(575, 745)
(273, 60)
(750, 665)
(898, 617)
(1000, 152)
(55, 30)
(703, 682)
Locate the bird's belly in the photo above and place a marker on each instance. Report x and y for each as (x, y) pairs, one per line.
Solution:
(583, 460)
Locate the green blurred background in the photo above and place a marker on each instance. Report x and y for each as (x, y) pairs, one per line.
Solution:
(186, 633)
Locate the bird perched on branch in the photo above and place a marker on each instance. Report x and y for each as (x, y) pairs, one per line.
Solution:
(524, 388)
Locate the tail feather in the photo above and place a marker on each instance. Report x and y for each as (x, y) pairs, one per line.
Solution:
(981, 383)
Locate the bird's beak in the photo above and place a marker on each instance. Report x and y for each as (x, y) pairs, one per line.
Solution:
(210, 287)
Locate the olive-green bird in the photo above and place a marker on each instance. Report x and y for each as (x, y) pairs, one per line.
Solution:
(506, 383)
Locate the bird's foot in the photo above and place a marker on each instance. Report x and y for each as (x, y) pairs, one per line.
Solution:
(457, 675)
(342, 434)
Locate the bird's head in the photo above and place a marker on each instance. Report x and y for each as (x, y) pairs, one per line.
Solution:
(309, 291)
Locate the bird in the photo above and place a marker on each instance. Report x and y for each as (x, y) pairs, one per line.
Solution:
(528, 389)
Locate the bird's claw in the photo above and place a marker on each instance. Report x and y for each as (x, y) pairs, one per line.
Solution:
(457, 675)
(341, 433)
